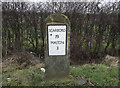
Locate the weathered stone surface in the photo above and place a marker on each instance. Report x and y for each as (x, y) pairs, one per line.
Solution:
(57, 66)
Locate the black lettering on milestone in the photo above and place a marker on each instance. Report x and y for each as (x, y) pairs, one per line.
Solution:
(57, 48)
(53, 42)
(56, 36)
(57, 30)
(50, 30)
(57, 42)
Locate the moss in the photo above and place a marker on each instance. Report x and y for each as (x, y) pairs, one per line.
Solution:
(57, 18)
(57, 66)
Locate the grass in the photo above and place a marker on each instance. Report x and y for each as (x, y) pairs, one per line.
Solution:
(99, 75)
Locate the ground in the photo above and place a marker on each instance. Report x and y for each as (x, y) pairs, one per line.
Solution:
(85, 75)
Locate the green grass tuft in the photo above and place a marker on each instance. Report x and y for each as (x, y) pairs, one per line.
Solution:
(99, 75)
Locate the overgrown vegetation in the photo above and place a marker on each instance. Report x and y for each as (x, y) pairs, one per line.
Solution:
(95, 75)
(94, 34)
(94, 28)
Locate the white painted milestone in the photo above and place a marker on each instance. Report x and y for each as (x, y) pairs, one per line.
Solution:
(57, 40)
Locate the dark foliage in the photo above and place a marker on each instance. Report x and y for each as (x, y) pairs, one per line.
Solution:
(94, 28)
